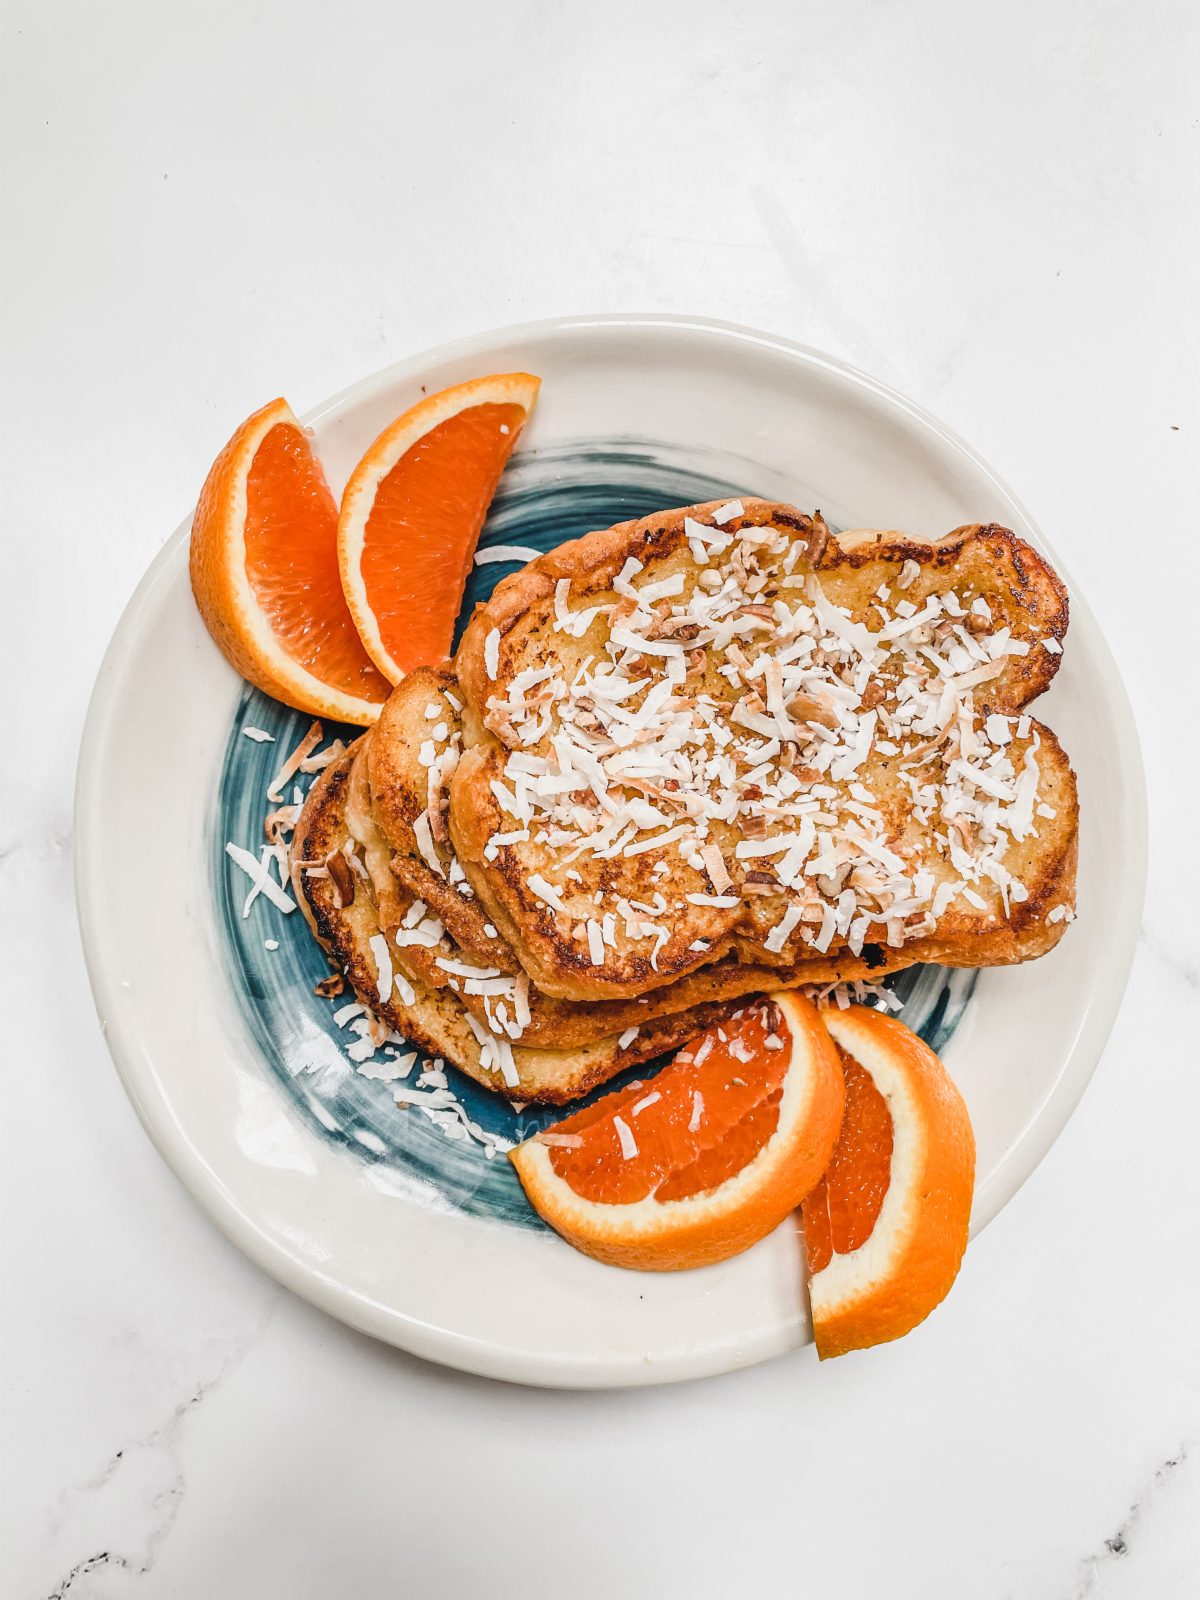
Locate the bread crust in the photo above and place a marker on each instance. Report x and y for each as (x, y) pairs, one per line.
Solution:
(436, 1019)
(985, 561)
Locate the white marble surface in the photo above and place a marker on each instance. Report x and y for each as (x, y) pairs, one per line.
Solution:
(997, 210)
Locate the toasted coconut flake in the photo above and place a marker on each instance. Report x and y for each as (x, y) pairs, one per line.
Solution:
(631, 749)
(259, 873)
(727, 512)
(324, 758)
(908, 574)
(389, 1071)
(292, 765)
(383, 964)
(491, 653)
(806, 708)
(506, 552)
(624, 1132)
(341, 877)
(423, 833)
(280, 822)
(714, 864)
(783, 929)
(547, 893)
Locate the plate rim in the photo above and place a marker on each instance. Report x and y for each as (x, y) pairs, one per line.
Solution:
(135, 1068)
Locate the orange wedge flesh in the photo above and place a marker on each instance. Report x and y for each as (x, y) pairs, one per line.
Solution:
(292, 565)
(736, 1117)
(704, 1159)
(413, 511)
(263, 562)
(886, 1229)
(424, 526)
(841, 1211)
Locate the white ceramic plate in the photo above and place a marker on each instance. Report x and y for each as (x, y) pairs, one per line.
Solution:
(234, 1066)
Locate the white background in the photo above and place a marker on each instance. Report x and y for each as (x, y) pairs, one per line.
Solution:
(997, 210)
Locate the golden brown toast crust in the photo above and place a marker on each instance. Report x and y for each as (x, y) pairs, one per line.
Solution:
(436, 1019)
(1019, 576)
(466, 921)
(390, 751)
(981, 563)
(962, 939)
(400, 793)
(399, 784)
(552, 1024)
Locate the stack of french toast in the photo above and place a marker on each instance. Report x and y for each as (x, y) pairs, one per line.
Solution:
(712, 753)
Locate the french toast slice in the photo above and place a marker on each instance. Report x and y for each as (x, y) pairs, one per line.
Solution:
(429, 948)
(402, 788)
(721, 731)
(408, 896)
(347, 926)
(419, 739)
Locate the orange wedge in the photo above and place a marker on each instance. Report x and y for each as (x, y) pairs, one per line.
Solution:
(886, 1227)
(412, 514)
(706, 1158)
(265, 573)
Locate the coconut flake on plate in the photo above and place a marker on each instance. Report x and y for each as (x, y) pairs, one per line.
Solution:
(259, 873)
(291, 766)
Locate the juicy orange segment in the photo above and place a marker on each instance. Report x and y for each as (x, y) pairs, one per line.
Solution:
(704, 1159)
(684, 1144)
(841, 1211)
(886, 1228)
(412, 514)
(265, 574)
(291, 562)
(438, 490)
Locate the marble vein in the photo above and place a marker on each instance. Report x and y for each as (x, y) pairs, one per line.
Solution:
(1118, 1545)
(44, 844)
(145, 1479)
(1173, 959)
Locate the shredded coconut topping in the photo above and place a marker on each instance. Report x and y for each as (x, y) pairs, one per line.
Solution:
(624, 1132)
(505, 552)
(731, 718)
(295, 761)
(259, 872)
(491, 652)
